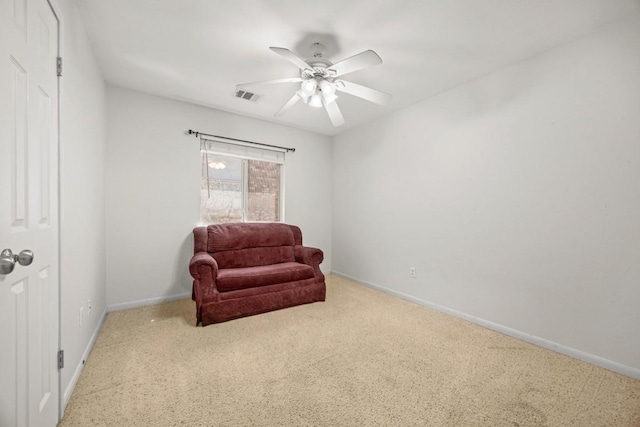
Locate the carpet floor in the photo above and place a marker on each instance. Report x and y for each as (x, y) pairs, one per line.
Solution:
(361, 358)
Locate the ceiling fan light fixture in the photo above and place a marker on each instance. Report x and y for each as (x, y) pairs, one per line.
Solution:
(316, 100)
(308, 87)
(327, 88)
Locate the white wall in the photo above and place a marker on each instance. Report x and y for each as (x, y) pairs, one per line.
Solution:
(82, 233)
(153, 196)
(516, 197)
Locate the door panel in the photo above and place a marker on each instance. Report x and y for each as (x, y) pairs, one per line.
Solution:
(18, 140)
(29, 295)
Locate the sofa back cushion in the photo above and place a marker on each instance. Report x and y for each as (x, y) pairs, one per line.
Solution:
(254, 257)
(237, 245)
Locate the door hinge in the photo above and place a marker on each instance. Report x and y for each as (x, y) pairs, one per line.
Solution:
(60, 359)
(59, 66)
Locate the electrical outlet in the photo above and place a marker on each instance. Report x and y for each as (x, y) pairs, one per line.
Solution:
(412, 272)
(89, 307)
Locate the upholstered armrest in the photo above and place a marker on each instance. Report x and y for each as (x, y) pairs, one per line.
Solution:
(307, 255)
(203, 266)
(310, 256)
(204, 270)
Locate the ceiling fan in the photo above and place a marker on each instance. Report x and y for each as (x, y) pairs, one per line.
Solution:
(320, 79)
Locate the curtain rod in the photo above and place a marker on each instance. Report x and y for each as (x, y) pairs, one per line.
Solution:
(191, 132)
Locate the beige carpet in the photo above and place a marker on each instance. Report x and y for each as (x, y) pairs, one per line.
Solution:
(362, 358)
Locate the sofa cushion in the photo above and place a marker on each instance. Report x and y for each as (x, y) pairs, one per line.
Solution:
(254, 257)
(233, 236)
(241, 278)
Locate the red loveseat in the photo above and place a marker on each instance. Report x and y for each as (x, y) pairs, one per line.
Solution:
(242, 269)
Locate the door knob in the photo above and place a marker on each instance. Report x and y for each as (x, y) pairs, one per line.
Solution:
(25, 257)
(8, 260)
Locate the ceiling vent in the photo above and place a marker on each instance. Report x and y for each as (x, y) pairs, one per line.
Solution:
(243, 94)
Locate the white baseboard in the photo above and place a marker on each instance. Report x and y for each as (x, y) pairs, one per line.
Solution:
(147, 301)
(76, 374)
(541, 342)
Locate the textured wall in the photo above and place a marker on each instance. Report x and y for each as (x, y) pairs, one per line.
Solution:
(82, 232)
(515, 196)
(153, 189)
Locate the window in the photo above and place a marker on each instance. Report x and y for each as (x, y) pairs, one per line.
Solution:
(240, 184)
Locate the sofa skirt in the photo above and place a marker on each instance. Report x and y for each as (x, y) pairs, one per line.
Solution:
(236, 304)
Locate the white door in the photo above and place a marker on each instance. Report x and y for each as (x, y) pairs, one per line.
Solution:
(29, 306)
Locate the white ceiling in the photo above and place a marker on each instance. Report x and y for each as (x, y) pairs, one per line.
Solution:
(198, 50)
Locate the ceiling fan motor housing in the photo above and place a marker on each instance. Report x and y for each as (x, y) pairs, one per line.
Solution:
(318, 68)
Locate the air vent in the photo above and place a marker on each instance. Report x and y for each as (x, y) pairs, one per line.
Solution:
(243, 94)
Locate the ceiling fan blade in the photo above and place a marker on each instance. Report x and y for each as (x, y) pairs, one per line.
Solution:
(335, 115)
(290, 56)
(365, 59)
(363, 92)
(270, 82)
(294, 99)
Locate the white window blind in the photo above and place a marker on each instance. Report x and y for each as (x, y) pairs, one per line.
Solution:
(241, 150)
